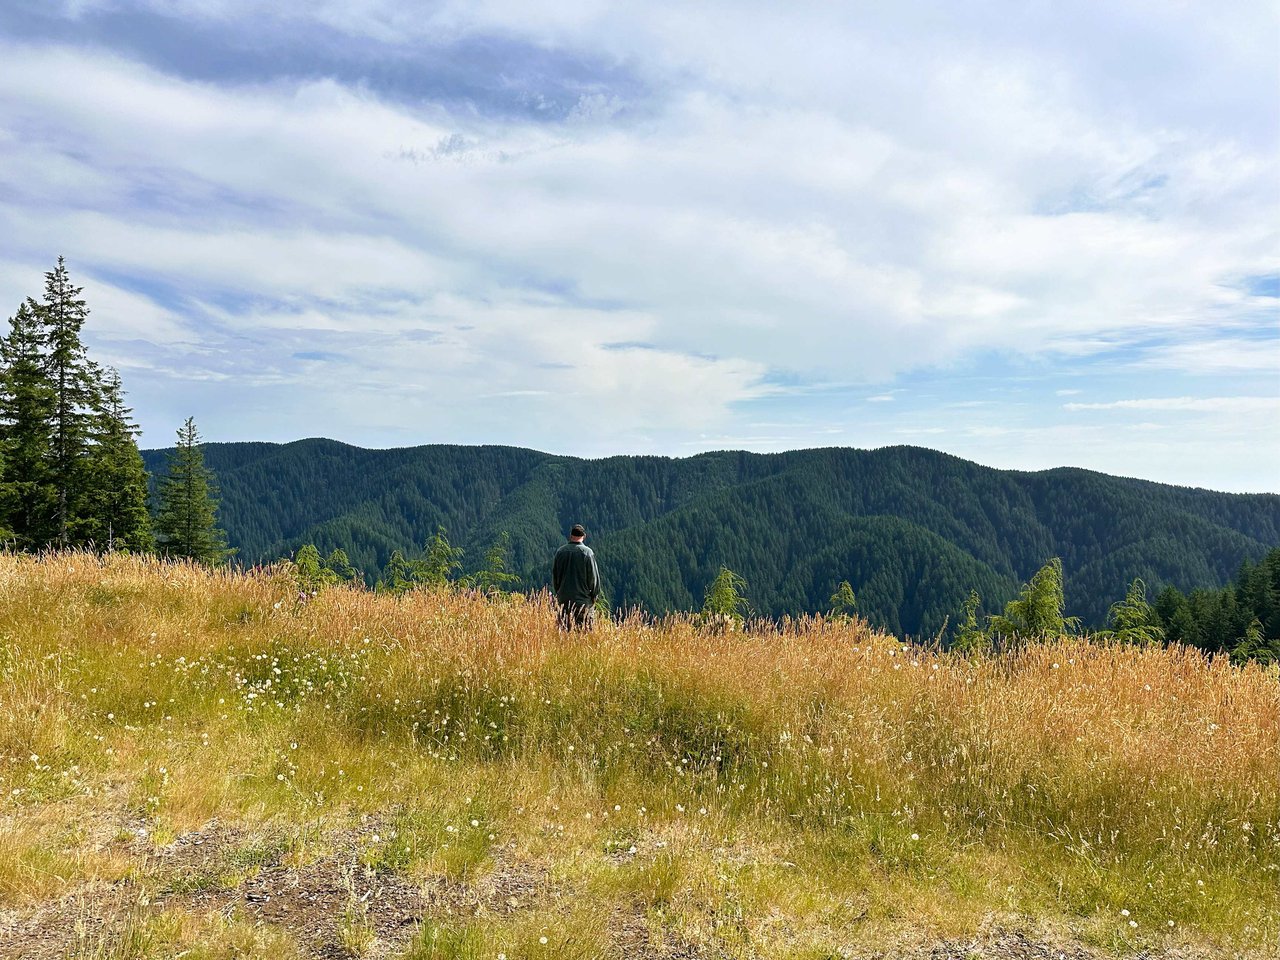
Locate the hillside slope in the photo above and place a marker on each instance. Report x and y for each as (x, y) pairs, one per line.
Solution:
(913, 530)
(196, 764)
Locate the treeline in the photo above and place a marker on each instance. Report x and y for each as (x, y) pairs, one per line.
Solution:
(912, 530)
(1241, 619)
(437, 567)
(71, 474)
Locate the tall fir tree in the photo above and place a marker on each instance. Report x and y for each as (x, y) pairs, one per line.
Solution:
(76, 395)
(186, 523)
(28, 499)
(116, 492)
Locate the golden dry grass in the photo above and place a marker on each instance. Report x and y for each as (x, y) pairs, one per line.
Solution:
(789, 792)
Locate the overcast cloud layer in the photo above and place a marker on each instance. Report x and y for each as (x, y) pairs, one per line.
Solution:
(1031, 235)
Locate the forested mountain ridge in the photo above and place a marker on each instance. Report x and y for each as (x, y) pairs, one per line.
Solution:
(912, 529)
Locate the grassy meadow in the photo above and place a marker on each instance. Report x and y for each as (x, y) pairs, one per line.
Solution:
(200, 764)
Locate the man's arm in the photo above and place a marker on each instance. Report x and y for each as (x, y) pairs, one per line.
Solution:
(557, 571)
(595, 579)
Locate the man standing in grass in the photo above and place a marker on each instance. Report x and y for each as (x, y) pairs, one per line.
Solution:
(576, 581)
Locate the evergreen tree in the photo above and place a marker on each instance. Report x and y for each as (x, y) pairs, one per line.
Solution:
(723, 606)
(1133, 620)
(338, 563)
(398, 576)
(1173, 613)
(494, 577)
(843, 603)
(1037, 613)
(1255, 645)
(971, 638)
(441, 560)
(1242, 619)
(314, 574)
(27, 495)
(309, 571)
(116, 492)
(1258, 589)
(186, 524)
(75, 383)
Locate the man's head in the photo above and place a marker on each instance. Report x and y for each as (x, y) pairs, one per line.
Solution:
(577, 533)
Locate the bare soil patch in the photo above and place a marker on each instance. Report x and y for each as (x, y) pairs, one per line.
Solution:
(320, 903)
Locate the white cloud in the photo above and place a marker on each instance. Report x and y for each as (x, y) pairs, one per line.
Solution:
(1187, 404)
(1218, 357)
(819, 194)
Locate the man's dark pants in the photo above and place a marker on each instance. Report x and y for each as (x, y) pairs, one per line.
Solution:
(576, 616)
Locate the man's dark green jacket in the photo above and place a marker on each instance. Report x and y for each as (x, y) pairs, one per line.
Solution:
(574, 575)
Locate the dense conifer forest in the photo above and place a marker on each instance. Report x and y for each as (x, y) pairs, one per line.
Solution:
(912, 530)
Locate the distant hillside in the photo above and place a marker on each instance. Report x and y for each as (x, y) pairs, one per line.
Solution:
(913, 530)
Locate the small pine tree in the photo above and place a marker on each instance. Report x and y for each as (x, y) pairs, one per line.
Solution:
(723, 606)
(116, 491)
(397, 576)
(28, 499)
(186, 524)
(494, 578)
(843, 603)
(339, 564)
(1254, 645)
(1037, 613)
(313, 574)
(971, 638)
(1132, 619)
(602, 608)
(441, 560)
(309, 571)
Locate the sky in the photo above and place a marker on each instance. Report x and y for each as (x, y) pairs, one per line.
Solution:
(1029, 234)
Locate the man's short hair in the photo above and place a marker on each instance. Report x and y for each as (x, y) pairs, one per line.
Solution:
(578, 530)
